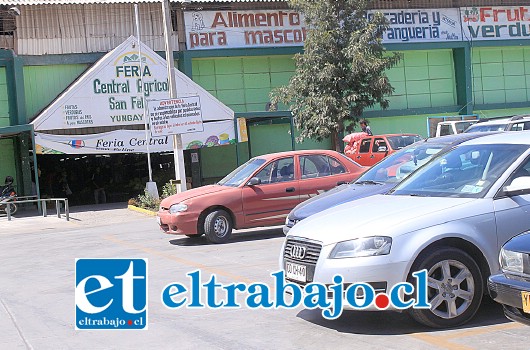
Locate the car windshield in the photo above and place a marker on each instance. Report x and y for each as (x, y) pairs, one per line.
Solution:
(398, 142)
(486, 127)
(399, 165)
(236, 177)
(464, 172)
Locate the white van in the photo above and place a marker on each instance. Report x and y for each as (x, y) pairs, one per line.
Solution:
(453, 127)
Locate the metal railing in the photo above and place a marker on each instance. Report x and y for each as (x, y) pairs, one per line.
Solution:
(41, 202)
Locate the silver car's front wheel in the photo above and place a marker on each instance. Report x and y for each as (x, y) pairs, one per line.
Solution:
(451, 288)
(455, 287)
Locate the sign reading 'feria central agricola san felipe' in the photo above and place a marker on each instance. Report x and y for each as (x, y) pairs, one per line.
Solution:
(113, 92)
(175, 116)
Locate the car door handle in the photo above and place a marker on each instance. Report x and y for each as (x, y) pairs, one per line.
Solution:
(372, 156)
(358, 157)
(290, 189)
(341, 183)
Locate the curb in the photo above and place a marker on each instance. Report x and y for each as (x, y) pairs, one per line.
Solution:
(141, 210)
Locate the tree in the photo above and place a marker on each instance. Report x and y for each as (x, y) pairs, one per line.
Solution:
(341, 71)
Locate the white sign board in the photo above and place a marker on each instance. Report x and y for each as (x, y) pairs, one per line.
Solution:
(133, 141)
(175, 116)
(232, 29)
(496, 22)
(111, 92)
(421, 25)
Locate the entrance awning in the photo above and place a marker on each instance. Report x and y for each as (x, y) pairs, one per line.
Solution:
(104, 110)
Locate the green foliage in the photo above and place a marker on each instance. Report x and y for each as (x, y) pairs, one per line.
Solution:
(168, 190)
(342, 69)
(146, 201)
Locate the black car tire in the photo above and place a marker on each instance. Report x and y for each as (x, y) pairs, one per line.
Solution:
(452, 302)
(218, 226)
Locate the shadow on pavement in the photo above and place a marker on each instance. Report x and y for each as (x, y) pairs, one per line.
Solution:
(237, 237)
(29, 210)
(98, 207)
(394, 323)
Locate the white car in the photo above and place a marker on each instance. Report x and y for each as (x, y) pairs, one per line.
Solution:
(451, 217)
(453, 127)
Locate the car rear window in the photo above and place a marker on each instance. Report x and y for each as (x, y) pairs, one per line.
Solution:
(398, 142)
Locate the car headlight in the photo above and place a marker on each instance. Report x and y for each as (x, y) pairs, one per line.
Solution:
(176, 208)
(511, 261)
(368, 246)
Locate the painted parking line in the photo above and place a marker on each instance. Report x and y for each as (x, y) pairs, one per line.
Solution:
(193, 264)
(484, 330)
(439, 341)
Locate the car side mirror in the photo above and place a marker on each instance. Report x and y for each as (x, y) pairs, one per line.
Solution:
(519, 186)
(254, 181)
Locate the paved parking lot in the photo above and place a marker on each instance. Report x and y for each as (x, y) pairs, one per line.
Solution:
(37, 294)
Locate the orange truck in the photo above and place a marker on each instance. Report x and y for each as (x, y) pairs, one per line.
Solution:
(368, 150)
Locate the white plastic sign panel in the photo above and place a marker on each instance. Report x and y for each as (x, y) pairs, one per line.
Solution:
(421, 25)
(233, 29)
(496, 22)
(113, 92)
(218, 133)
(175, 116)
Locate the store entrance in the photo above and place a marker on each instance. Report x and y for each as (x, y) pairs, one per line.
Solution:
(122, 176)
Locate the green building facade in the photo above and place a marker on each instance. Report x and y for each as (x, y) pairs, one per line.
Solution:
(433, 81)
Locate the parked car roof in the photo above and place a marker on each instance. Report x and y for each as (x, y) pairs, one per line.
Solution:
(520, 137)
(290, 153)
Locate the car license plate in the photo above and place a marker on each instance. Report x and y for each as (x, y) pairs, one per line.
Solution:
(295, 272)
(525, 296)
(158, 220)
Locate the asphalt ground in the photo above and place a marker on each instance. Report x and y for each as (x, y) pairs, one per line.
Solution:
(37, 307)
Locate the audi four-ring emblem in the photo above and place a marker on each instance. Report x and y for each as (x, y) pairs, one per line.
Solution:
(298, 252)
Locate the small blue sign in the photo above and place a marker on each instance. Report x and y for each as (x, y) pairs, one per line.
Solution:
(111, 293)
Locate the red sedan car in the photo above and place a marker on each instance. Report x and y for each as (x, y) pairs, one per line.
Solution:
(260, 192)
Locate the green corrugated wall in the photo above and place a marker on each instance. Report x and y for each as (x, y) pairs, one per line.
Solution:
(243, 83)
(4, 102)
(7, 152)
(42, 84)
(501, 75)
(423, 79)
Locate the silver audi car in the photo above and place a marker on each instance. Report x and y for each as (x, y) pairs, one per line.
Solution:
(451, 217)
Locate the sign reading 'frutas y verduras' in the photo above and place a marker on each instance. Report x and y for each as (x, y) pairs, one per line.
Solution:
(496, 22)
